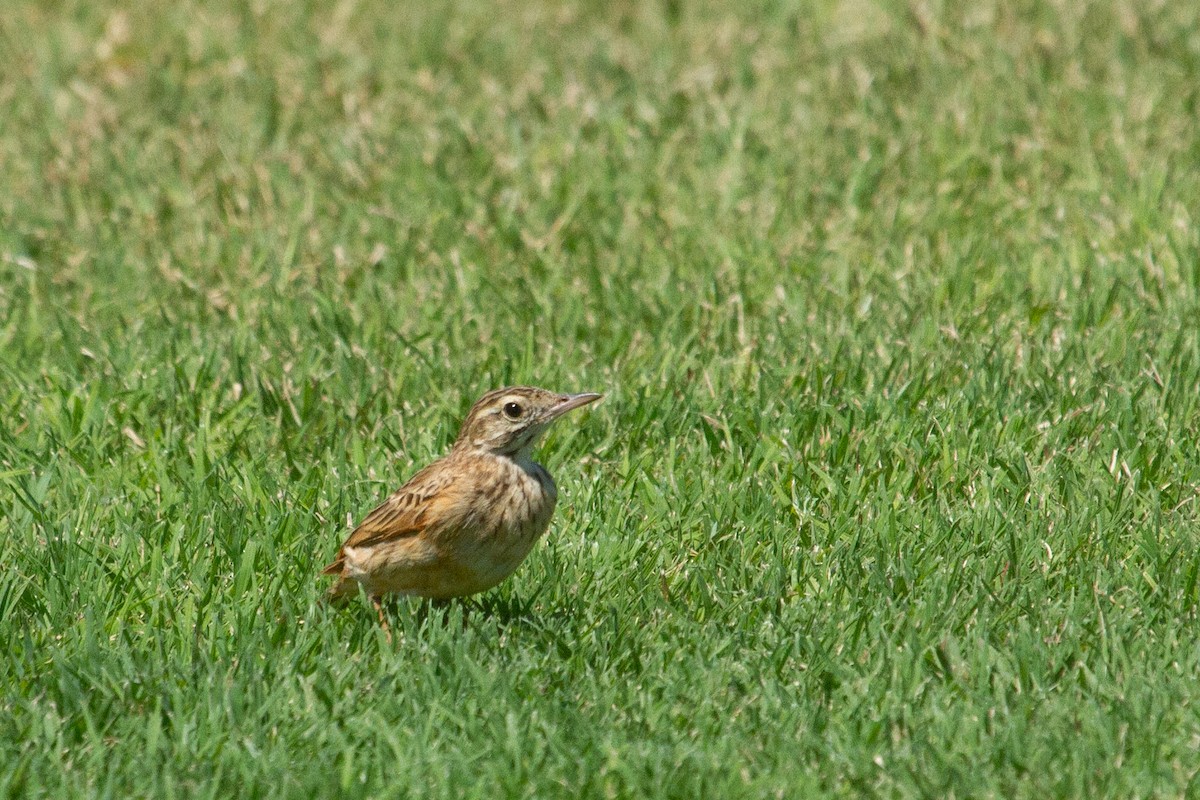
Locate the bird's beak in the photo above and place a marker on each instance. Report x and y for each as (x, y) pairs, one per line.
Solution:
(571, 401)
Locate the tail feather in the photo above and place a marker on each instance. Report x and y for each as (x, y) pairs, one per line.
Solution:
(343, 588)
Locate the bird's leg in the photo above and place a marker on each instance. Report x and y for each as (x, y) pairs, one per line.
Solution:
(378, 601)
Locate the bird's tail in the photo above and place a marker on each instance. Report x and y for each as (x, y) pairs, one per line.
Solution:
(343, 588)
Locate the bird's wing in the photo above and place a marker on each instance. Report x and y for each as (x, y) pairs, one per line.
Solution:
(403, 515)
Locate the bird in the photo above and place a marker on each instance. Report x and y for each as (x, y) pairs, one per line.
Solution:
(464, 523)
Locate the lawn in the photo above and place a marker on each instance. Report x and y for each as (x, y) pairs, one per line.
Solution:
(896, 311)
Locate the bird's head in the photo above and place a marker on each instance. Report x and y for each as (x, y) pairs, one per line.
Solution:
(511, 420)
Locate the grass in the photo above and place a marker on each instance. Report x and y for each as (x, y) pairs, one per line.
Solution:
(893, 492)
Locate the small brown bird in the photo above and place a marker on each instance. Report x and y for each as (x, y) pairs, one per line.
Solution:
(468, 520)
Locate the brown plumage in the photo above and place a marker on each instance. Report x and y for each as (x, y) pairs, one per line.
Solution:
(467, 521)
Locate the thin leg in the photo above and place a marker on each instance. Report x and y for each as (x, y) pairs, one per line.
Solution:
(378, 601)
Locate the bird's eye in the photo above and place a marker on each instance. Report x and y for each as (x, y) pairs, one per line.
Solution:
(512, 410)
